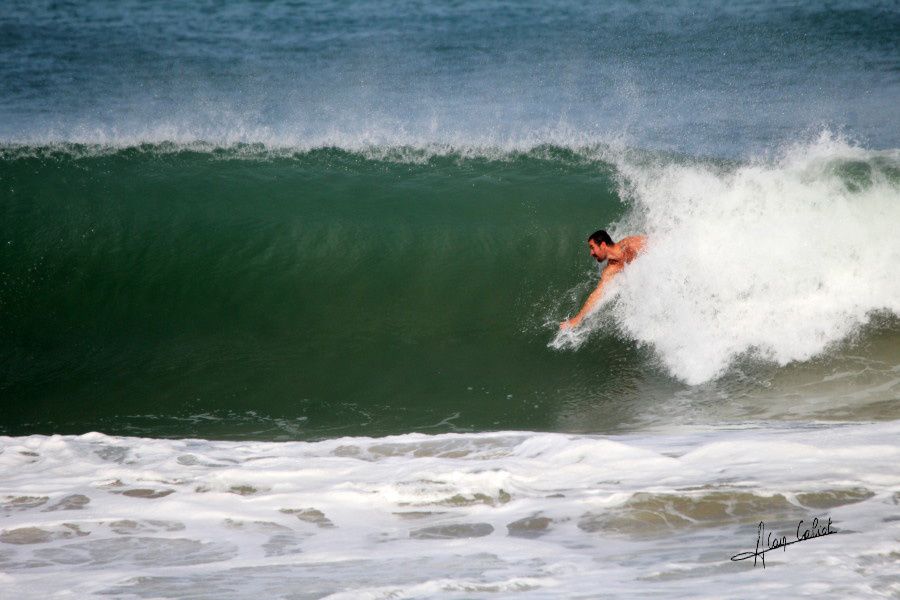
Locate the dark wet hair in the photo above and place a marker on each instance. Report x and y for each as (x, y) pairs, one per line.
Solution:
(601, 236)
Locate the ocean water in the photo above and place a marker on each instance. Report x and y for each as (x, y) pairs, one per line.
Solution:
(280, 286)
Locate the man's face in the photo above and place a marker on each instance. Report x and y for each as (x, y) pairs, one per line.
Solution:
(598, 251)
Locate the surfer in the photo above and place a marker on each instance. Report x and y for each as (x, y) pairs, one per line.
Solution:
(617, 256)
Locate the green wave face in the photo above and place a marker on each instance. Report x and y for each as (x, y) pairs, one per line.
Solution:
(267, 293)
(311, 293)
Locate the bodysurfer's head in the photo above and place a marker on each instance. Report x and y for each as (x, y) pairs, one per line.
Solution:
(599, 242)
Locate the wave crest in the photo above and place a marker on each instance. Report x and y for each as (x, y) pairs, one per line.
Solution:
(775, 259)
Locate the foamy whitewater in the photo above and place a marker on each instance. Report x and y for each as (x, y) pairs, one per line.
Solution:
(499, 514)
(777, 259)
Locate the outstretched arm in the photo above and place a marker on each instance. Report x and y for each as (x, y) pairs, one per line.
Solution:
(608, 273)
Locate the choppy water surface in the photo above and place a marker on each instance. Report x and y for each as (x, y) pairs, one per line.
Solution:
(511, 513)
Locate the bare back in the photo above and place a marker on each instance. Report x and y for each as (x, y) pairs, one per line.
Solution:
(630, 247)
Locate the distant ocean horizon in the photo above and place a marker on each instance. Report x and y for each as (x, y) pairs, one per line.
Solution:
(281, 284)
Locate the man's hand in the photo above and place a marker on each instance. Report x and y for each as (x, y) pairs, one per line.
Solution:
(608, 273)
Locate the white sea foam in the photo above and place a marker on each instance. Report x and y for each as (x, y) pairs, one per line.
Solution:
(454, 515)
(777, 259)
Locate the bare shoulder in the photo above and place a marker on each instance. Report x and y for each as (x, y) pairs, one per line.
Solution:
(634, 244)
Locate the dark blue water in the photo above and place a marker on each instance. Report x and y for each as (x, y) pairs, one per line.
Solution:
(721, 78)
